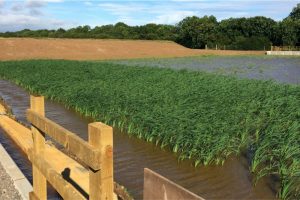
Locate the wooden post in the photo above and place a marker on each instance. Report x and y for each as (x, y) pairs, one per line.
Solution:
(101, 181)
(39, 180)
(216, 47)
(206, 47)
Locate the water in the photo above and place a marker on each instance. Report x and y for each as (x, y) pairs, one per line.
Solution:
(131, 156)
(280, 69)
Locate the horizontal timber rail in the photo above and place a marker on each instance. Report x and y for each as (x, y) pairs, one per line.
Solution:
(70, 179)
(97, 155)
(75, 145)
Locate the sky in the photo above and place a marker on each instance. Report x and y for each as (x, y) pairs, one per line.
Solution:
(52, 14)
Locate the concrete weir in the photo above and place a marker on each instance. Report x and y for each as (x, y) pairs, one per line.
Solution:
(284, 53)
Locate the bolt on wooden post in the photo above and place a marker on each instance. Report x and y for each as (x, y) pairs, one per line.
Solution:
(101, 185)
(39, 180)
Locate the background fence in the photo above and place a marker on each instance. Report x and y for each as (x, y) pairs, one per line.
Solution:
(285, 48)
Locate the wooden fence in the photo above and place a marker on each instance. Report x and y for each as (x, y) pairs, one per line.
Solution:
(285, 48)
(97, 154)
(69, 177)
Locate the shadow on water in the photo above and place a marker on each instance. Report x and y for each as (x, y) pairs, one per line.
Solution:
(132, 155)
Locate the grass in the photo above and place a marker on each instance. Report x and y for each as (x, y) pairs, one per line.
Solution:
(201, 116)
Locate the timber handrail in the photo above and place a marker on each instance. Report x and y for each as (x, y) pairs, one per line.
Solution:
(75, 145)
(71, 179)
(97, 154)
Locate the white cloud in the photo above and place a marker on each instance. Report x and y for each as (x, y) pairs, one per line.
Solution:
(17, 7)
(131, 20)
(35, 4)
(14, 22)
(88, 3)
(1, 4)
(158, 13)
(28, 14)
(35, 12)
(173, 17)
(22, 19)
(7, 19)
(49, 1)
(38, 13)
(122, 9)
(172, 12)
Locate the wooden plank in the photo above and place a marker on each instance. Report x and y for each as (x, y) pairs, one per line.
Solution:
(63, 187)
(32, 196)
(101, 181)
(21, 136)
(49, 127)
(59, 161)
(39, 180)
(84, 151)
(160, 188)
(74, 144)
(2, 110)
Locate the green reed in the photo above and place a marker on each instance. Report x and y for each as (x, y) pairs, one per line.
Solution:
(200, 116)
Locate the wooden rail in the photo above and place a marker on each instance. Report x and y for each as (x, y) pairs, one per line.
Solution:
(69, 177)
(97, 154)
(285, 48)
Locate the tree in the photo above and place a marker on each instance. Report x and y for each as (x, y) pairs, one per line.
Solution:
(192, 32)
(121, 30)
(295, 14)
(166, 32)
(230, 29)
(290, 31)
(196, 32)
(250, 43)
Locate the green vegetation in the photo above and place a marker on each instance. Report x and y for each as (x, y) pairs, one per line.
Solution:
(201, 116)
(254, 33)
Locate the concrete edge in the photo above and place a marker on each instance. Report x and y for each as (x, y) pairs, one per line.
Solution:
(20, 181)
(284, 53)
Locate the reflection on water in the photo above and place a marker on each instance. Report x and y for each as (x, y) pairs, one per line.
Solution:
(131, 156)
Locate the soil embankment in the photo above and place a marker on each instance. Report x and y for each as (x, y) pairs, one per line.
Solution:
(99, 49)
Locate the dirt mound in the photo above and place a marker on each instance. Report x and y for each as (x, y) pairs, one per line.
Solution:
(92, 49)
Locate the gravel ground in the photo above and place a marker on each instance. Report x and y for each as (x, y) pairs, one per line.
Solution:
(7, 188)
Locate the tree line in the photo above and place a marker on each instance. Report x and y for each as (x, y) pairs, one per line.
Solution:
(254, 33)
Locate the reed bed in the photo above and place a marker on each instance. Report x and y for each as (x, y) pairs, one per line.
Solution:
(200, 116)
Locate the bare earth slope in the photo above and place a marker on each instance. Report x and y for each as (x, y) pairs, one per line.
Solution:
(92, 49)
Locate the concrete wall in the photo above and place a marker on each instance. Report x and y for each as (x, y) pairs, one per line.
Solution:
(284, 53)
(160, 188)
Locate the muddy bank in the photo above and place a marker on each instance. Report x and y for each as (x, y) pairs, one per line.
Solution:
(99, 49)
